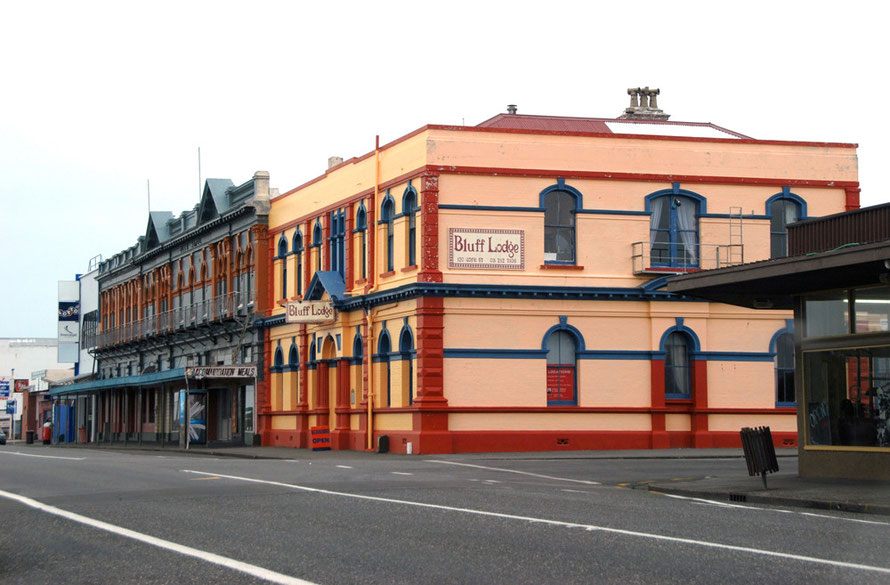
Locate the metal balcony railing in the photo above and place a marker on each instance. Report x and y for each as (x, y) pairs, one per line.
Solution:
(661, 258)
(231, 305)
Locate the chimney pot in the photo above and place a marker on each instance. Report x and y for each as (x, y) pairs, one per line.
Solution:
(334, 161)
(511, 109)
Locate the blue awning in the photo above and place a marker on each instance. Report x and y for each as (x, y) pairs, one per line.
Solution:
(127, 381)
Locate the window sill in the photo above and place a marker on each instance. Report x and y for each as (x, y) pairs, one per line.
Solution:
(561, 267)
(411, 268)
(386, 274)
(361, 281)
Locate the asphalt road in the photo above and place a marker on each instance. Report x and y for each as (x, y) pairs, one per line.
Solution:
(343, 518)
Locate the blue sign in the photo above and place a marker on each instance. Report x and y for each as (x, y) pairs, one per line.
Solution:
(4, 388)
(10, 407)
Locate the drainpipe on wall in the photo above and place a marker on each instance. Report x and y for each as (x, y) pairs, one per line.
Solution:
(368, 314)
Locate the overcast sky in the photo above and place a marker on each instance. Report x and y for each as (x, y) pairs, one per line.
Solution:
(99, 98)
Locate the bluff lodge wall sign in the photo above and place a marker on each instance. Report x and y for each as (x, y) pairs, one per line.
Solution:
(486, 249)
(309, 312)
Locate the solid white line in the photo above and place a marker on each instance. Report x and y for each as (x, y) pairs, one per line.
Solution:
(43, 456)
(704, 501)
(401, 473)
(584, 481)
(252, 570)
(344, 467)
(587, 527)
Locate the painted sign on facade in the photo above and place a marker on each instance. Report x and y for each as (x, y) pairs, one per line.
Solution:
(321, 438)
(199, 372)
(309, 312)
(486, 249)
(560, 383)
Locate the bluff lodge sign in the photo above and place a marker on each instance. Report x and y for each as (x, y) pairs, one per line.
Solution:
(486, 249)
(309, 312)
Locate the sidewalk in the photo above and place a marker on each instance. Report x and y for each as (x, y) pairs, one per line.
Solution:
(784, 488)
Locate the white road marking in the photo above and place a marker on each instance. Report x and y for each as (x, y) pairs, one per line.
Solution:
(587, 527)
(401, 473)
(344, 467)
(43, 456)
(584, 481)
(703, 501)
(252, 570)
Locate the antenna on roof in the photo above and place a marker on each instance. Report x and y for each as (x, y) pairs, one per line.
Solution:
(148, 189)
(199, 173)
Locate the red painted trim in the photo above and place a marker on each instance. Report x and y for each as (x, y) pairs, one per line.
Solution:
(386, 274)
(852, 200)
(561, 267)
(409, 268)
(642, 177)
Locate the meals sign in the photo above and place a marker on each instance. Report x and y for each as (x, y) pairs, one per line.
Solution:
(486, 249)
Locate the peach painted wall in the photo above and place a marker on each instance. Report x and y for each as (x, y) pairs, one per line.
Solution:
(735, 422)
(556, 421)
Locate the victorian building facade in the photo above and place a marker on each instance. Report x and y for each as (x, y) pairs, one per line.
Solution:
(177, 343)
(501, 287)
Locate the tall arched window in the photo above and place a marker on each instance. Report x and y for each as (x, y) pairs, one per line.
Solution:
(282, 255)
(559, 226)
(409, 208)
(561, 348)
(337, 241)
(387, 213)
(384, 348)
(406, 346)
(677, 366)
(358, 349)
(361, 226)
(298, 251)
(278, 362)
(673, 229)
(785, 369)
(316, 243)
(783, 208)
(293, 358)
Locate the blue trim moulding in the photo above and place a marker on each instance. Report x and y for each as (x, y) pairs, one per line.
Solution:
(602, 354)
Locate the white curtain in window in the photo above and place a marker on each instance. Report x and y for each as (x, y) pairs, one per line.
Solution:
(686, 223)
(657, 206)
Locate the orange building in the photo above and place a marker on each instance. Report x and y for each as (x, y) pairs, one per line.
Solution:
(501, 287)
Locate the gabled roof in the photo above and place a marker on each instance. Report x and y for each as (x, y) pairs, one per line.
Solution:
(326, 281)
(157, 231)
(214, 201)
(609, 126)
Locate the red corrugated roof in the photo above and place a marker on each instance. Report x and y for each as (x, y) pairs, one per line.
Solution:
(593, 125)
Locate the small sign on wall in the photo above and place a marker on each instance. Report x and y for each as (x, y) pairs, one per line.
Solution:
(486, 249)
(321, 438)
(309, 312)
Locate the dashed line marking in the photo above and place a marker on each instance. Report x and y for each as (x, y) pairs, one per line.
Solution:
(584, 481)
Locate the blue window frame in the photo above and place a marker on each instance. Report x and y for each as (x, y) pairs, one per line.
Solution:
(361, 226)
(409, 208)
(387, 213)
(562, 344)
(316, 242)
(384, 349)
(784, 364)
(298, 251)
(673, 229)
(783, 208)
(406, 347)
(282, 254)
(337, 241)
(677, 366)
(561, 204)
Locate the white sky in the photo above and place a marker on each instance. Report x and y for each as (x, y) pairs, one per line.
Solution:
(97, 98)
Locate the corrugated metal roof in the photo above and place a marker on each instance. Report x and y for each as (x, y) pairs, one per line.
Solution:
(609, 126)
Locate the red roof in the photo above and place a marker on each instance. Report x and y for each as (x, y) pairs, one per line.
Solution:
(601, 125)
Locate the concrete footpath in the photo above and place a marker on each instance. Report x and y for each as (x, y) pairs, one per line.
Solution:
(784, 488)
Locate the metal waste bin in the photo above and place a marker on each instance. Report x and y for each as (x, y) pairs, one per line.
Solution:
(760, 453)
(29, 437)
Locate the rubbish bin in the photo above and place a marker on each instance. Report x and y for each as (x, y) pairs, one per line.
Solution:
(760, 453)
(82, 434)
(29, 437)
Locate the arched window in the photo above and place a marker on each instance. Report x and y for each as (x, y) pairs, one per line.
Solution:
(279, 358)
(384, 348)
(358, 349)
(293, 358)
(561, 348)
(406, 346)
(782, 208)
(361, 226)
(337, 241)
(673, 228)
(677, 366)
(387, 212)
(316, 243)
(282, 255)
(298, 251)
(559, 206)
(785, 369)
(409, 208)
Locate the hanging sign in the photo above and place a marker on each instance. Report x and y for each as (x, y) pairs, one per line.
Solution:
(309, 312)
(560, 383)
(486, 249)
